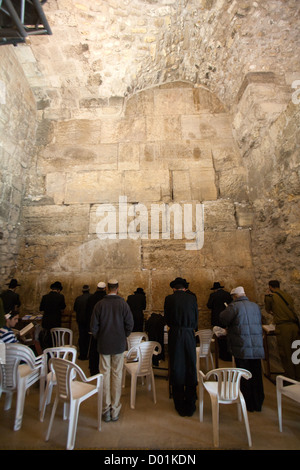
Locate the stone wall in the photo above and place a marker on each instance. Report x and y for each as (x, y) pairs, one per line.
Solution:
(17, 137)
(165, 102)
(266, 127)
(173, 144)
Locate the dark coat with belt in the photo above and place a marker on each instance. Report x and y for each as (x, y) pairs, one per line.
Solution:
(181, 315)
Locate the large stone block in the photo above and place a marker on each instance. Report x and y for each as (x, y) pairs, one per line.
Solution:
(129, 156)
(77, 132)
(203, 187)
(206, 126)
(93, 187)
(74, 158)
(100, 256)
(219, 216)
(163, 128)
(55, 219)
(144, 186)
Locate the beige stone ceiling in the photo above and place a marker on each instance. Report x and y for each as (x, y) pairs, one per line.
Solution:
(111, 48)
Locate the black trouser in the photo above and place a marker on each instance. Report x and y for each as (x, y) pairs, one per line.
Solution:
(252, 389)
(184, 397)
(93, 357)
(83, 340)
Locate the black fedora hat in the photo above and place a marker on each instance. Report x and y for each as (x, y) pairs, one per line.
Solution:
(179, 282)
(216, 285)
(139, 290)
(56, 286)
(13, 283)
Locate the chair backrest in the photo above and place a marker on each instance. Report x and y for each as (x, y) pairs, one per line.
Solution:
(15, 354)
(62, 352)
(65, 372)
(136, 338)
(205, 337)
(145, 351)
(229, 379)
(61, 336)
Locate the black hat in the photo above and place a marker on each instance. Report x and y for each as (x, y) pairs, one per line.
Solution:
(56, 286)
(13, 283)
(179, 282)
(85, 288)
(216, 285)
(139, 290)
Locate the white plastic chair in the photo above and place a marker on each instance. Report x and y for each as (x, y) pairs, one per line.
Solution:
(64, 352)
(291, 391)
(142, 367)
(203, 351)
(134, 339)
(73, 392)
(61, 337)
(17, 377)
(226, 390)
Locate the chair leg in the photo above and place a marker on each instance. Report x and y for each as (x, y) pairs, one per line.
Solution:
(133, 391)
(46, 400)
(124, 375)
(74, 411)
(153, 386)
(100, 402)
(215, 420)
(8, 401)
(279, 408)
(51, 418)
(239, 411)
(21, 391)
(245, 414)
(201, 402)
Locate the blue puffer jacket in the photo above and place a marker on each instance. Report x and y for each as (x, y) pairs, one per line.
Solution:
(242, 319)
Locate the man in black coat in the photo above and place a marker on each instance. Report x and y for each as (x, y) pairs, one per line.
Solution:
(217, 302)
(137, 304)
(82, 321)
(10, 298)
(181, 315)
(52, 305)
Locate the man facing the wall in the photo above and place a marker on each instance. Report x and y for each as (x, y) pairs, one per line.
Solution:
(111, 323)
(181, 315)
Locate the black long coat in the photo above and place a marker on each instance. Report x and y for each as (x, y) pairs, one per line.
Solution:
(216, 303)
(181, 315)
(137, 303)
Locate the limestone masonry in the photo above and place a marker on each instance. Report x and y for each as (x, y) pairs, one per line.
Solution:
(162, 102)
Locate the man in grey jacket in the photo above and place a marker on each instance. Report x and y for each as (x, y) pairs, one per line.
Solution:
(111, 323)
(242, 319)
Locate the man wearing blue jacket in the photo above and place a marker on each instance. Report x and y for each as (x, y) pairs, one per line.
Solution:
(242, 319)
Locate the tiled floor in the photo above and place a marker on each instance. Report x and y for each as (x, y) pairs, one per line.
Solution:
(152, 426)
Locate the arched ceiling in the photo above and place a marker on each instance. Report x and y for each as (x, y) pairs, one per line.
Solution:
(108, 48)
